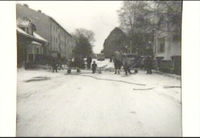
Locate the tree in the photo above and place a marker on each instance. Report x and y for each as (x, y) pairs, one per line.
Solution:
(86, 33)
(140, 19)
(135, 22)
(83, 46)
(170, 13)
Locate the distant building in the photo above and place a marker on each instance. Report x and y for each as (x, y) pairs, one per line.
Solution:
(116, 41)
(60, 41)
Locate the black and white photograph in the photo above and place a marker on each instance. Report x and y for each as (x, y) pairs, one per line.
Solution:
(99, 68)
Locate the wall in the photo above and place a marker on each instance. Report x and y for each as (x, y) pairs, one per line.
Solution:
(172, 47)
(61, 41)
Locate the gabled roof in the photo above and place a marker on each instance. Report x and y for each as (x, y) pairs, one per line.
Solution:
(35, 37)
(39, 37)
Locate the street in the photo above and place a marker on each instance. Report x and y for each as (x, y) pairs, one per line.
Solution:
(86, 104)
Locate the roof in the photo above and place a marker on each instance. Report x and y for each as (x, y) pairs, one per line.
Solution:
(36, 37)
(59, 25)
(23, 32)
(39, 37)
(36, 43)
(41, 13)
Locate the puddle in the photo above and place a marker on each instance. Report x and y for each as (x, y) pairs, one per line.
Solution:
(40, 78)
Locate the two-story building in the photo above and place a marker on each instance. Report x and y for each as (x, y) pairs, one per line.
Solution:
(30, 45)
(60, 41)
(167, 46)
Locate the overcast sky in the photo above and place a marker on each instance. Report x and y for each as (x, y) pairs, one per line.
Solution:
(98, 16)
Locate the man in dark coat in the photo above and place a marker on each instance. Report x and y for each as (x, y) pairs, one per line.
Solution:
(94, 67)
(149, 64)
(54, 65)
(70, 65)
(77, 64)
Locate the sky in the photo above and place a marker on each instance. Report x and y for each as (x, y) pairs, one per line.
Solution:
(98, 16)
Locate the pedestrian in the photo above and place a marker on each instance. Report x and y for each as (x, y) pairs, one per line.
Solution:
(149, 64)
(77, 64)
(89, 61)
(54, 65)
(94, 67)
(70, 65)
(60, 66)
(126, 68)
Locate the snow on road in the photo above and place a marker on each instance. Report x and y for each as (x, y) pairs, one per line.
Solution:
(97, 104)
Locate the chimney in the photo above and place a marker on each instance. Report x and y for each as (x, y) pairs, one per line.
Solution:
(26, 5)
(39, 11)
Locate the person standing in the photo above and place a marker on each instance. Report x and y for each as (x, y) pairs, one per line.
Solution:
(94, 67)
(126, 67)
(89, 61)
(77, 64)
(54, 65)
(70, 65)
(149, 64)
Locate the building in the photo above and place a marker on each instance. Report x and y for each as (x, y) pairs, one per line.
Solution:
(167, 46)
(61, 43)
(116, 41)
(30, 45)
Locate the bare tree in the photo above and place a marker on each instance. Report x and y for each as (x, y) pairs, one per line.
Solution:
(140, 20)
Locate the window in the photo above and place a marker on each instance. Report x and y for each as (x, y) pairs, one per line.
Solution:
(162, 45)
(37, 51)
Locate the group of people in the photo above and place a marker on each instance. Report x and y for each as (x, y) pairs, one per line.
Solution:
(56, 64)
(78, 63)
(119, 63)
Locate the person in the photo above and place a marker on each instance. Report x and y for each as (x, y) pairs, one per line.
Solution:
(117, 65)
(70, 65)
(60, 65)
(54, 65)
(136, 64)
(89, 60)
(94, 67)
(126, 67)
(149, 64)
(77, 64)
